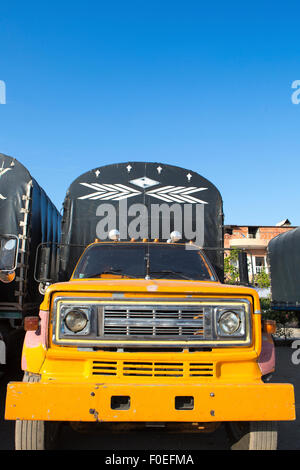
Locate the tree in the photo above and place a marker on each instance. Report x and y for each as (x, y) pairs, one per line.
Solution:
(231, 271)
(262, 279)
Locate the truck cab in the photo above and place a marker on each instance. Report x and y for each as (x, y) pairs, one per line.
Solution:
(144, 331)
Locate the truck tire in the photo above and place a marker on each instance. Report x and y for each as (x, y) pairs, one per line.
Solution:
(13, 339)
(35, 435)
(253, 435)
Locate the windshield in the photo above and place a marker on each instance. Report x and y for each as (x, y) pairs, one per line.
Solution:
(155, 261)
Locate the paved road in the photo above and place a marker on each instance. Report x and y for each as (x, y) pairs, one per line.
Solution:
(287, 372)
(289, 432)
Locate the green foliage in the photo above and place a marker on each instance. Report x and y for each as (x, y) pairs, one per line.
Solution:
(267, 312)
(231, 271)
(262, 279)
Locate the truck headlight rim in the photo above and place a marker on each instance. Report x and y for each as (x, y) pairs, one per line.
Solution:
(224, 320)
(76, 320)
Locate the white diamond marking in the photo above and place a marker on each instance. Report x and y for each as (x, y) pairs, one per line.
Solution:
(144, 182)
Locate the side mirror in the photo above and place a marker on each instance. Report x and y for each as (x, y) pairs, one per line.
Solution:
(43, 264)
(243, 268)
(45, 271)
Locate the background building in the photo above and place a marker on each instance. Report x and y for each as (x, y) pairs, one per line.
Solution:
(254, 239)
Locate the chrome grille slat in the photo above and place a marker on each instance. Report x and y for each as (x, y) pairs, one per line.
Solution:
(146, 322)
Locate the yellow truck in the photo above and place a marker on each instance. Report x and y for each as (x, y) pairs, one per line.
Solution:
(140, 328)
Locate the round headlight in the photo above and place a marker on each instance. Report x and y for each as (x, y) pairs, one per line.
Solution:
(229, 322)
(76, 320)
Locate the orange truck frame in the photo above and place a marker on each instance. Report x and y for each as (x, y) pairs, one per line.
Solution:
(119, 348)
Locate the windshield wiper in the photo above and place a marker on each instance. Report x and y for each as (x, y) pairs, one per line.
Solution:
(169, 271)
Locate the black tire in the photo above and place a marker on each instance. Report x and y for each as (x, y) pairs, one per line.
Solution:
(36, 435)
(5, 330)
(14, 351)
(253, 435)
(13, 339)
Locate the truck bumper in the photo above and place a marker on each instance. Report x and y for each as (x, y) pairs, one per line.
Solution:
(154, 403)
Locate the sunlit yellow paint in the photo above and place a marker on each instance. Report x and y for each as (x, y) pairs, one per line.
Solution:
(87, 402)
(69, 390)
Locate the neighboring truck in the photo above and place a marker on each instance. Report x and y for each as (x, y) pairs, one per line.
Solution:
(27, 218)
(284, 262)
(141, 330)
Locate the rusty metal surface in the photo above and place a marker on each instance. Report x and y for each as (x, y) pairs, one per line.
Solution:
(93, 402)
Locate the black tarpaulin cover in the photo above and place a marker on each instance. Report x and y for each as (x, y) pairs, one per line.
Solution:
(284, 262)
(27, 212)
(138, 199)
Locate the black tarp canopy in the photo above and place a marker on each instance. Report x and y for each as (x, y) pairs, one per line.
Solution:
(28, 213)
(141, 200)
(284, 262)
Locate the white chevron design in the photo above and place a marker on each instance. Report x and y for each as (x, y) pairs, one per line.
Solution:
(3, 170)
(115, 192)
(177, 194)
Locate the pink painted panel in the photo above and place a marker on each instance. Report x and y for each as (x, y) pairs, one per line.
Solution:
(266, 360)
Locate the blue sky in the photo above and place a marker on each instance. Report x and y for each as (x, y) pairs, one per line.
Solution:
(206, 86)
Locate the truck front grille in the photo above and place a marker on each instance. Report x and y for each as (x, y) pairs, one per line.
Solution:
(172, 324)
(152, 322)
